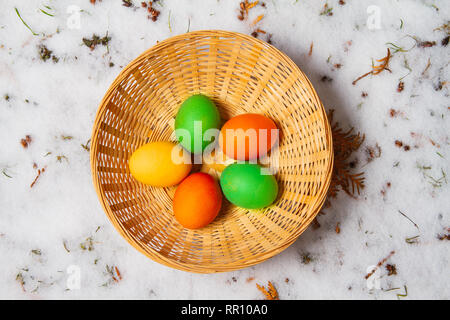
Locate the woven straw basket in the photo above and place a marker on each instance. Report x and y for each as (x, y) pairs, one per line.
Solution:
(241, 74)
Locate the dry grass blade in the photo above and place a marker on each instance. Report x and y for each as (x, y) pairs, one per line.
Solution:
(25, 24)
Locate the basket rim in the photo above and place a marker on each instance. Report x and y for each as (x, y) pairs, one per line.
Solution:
(155, 255)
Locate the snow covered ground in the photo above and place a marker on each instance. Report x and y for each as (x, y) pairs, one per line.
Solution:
(57, 230)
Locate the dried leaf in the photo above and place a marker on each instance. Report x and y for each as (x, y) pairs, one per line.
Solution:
(391, 269)
(26, 141)
(245, 6)
(338, 228)
(270, 293)
(127, 3)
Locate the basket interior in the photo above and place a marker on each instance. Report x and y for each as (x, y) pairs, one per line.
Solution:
(241, 74)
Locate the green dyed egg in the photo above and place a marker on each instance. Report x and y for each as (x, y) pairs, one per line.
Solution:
(197, 109)
(244, 185)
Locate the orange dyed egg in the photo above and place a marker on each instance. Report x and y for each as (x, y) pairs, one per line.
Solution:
(248, 136)
(197, 201)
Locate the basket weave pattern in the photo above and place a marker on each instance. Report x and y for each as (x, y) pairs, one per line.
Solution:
(241, 74)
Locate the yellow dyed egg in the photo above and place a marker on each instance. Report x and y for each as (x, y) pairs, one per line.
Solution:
(160, 164)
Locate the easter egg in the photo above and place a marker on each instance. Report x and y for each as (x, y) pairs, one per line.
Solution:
(246, 186)
(248, 136)
(195, 117)
(197, 201)
(160, 164)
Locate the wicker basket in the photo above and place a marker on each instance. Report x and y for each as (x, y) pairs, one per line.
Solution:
(241, 74)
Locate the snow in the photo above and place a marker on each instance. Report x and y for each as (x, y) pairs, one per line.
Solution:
(63, 97)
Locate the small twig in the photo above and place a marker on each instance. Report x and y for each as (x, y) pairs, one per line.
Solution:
(415, 225)
(384, 62)
(363, 76)
(379, 264)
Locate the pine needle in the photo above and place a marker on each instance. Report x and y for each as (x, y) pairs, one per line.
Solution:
(40, 171)
(5, 174)
(118, 273)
